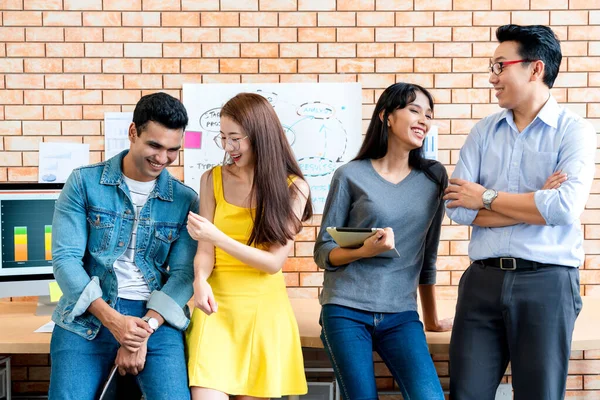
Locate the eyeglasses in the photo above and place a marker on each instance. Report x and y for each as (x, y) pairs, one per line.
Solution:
(497, 67)
(222, 142)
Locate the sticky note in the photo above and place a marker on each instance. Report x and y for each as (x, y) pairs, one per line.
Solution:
(55, 292)
(193, 140)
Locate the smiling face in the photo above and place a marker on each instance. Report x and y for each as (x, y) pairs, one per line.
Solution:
(151, 152)
(409, 125)
(512, 87)
(236, 143)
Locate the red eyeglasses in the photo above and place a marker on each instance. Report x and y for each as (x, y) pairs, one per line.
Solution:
(497, 67)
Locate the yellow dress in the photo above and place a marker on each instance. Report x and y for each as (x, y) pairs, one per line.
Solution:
(251, 345)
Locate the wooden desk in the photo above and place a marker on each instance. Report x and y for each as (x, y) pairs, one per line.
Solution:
(17, 323)
(585, 337)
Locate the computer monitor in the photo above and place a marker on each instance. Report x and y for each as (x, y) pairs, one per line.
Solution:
(26, 211)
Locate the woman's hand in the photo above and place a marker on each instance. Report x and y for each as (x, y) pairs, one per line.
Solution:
(200, 228)
(204, 298)
(380, 242)
(442, 325)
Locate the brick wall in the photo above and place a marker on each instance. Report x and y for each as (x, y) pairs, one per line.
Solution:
(63, 63)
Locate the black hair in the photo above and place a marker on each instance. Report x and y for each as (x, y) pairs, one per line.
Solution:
(375, 145)
(536, 42)
(160, 108)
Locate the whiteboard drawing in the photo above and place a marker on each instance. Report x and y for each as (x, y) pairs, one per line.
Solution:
(322, 122)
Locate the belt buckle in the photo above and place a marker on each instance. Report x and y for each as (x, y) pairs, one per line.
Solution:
(512, 263)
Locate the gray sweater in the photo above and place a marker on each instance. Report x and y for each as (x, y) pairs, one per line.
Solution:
(360, 198)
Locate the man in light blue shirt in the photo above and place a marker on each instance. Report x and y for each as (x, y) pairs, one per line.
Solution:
(522, 181)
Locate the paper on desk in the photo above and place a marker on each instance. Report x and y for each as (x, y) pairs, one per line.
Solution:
(116, 128)
(46, 328)
(57, 160)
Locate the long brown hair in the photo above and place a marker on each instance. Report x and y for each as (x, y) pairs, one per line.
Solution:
(275, 162)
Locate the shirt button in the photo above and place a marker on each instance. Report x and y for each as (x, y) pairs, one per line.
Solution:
(121, 244)
(89, 332)
(127, 212)
(108, 302)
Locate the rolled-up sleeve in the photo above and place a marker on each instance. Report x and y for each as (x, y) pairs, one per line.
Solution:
(335, 214)
(576, 158)
(170, 302)
(467, 168)
(69, 242)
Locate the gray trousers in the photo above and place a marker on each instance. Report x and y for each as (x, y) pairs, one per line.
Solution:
(522, 316)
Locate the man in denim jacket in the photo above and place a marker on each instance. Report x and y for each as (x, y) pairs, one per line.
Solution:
(124, 261)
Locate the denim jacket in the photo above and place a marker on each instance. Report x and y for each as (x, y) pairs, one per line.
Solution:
(92, 225)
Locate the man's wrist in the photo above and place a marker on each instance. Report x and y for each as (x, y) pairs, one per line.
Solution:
(152, 322)
(488, 197)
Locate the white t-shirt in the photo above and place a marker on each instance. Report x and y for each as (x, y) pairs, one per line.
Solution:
(132, 285)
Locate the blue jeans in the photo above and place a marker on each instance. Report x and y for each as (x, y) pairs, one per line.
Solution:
(350, 336)
(80, 366)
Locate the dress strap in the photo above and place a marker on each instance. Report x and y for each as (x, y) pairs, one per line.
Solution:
(291, 179)
(217, 178)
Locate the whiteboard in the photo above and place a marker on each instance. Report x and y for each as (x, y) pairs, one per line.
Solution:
(322, 122)
(116, 132)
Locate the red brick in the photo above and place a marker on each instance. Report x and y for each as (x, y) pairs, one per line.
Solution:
(10, 34)
(62, 18)
(22, 81)
(316, 35)
(65, 50)
(122, 35)
(180, 19)
(44, 34)
(83, 65)
(122, 65)
(141, 19)
(62, 112)
(22, 18)
(290, 19)
(157, 66)
(64, 81)
(41, 128)
(25, 50)
(43, 97)
(120, 96)
(83, 97)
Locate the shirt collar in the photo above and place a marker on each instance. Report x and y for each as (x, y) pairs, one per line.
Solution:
(548, 114)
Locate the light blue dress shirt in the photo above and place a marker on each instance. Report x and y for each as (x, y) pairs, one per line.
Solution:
(497, 156)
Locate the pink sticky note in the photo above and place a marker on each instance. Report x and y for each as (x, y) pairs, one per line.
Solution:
(193, 140)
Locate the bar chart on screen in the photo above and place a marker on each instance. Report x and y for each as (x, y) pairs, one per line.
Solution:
(26, 233)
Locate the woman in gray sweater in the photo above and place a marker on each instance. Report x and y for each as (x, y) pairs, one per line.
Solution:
(370, 302)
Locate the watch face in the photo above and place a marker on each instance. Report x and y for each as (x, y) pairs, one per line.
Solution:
(488, 195)
(153, 323)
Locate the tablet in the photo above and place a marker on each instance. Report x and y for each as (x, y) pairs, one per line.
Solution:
(354, 237)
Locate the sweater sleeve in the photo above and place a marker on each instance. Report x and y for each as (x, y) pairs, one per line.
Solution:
(335, 214)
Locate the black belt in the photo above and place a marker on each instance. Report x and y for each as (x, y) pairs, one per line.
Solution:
(511, 264)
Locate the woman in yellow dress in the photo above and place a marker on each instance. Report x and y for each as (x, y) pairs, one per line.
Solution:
(243, 337)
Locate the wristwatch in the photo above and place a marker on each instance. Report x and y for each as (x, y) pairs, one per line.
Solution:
(488, 197)
(152, 322)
